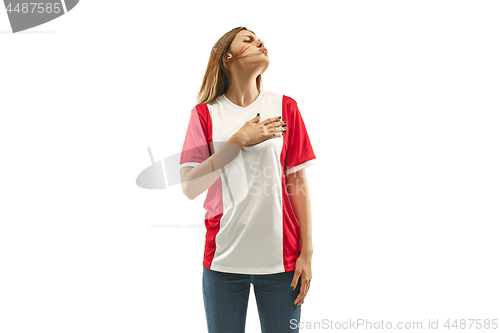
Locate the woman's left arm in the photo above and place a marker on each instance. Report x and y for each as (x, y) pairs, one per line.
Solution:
(298, 191)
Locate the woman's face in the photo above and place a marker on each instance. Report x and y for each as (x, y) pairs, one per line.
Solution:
(254, 53)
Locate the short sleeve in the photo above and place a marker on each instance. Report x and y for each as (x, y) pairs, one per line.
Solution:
(300, 153)
(195, 148)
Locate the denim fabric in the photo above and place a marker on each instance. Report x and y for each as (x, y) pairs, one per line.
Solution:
(226, 295)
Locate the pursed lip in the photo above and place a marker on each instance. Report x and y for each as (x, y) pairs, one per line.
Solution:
(264, 50)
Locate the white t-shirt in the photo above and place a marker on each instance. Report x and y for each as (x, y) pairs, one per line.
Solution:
(250, 222)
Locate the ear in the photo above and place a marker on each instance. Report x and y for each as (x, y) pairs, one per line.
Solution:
(227, 57)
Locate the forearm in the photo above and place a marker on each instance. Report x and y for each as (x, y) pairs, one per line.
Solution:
(201, 177)
(298, 191)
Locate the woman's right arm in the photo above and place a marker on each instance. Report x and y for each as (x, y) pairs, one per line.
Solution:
(196, 180)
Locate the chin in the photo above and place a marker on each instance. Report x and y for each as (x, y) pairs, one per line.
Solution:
(266, 66)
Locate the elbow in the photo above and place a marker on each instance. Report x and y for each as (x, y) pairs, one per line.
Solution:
(187, 193)
(185, 182)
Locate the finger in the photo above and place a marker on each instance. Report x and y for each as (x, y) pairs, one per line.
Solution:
(299, 303)
(308, 285)
(271, 120)
(301, 295)
(277, 132)
(295, 279)
(256, 119)
(277, 128)
(300, 299)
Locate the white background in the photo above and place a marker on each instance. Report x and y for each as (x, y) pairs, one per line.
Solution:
(401, 102)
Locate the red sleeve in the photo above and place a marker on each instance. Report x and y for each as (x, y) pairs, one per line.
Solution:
(300, 153)
(195, 149)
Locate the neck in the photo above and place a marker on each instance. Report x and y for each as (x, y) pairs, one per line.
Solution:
(242, 92)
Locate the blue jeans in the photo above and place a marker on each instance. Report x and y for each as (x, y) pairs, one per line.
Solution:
(226, 300)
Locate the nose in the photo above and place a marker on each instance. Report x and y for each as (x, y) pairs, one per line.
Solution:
(260, 44)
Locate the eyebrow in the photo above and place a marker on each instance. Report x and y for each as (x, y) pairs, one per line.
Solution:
(251, 37)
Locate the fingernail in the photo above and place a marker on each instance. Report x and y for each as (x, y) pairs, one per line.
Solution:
(283, 134)
(291, 287)
(258, 113)
(284, 127)
(284, 121)
(279, 117)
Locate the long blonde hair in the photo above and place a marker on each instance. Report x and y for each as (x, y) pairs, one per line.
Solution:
(216, 79)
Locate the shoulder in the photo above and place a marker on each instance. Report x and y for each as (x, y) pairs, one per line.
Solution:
(289, 105)
(289, 100)
(203, 114)
(201, 109)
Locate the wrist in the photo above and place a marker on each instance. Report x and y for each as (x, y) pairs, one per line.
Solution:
(306, 250)
(238, 139)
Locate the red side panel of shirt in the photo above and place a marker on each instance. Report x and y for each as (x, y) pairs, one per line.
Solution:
(297, 149)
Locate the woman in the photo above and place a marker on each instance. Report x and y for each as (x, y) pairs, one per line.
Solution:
(258, 216)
